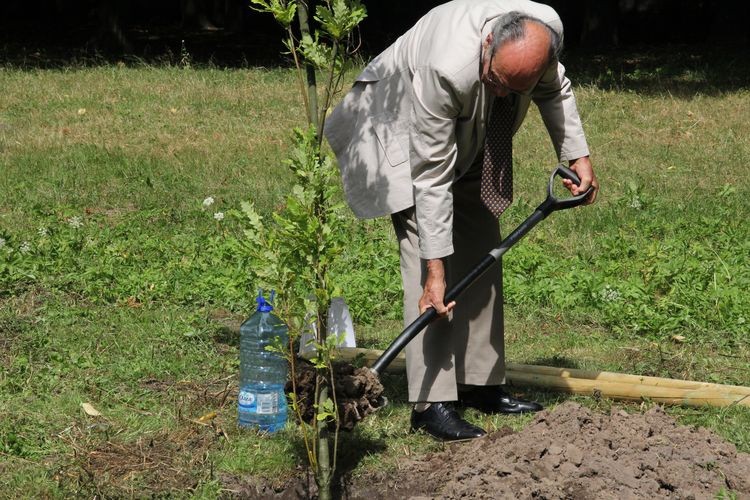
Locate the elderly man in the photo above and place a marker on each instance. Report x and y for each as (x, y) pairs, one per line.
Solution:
(425, 136)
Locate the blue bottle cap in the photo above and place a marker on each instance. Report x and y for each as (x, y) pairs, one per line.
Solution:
(263, 305)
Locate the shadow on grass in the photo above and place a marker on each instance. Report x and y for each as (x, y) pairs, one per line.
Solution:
(395, 388)
(675, 70)
(227, 335)
(545, 397)
(557, 362)
(353, 448)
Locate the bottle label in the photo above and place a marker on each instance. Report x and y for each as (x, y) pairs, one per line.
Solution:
(268, 403)
(262, 404)
(247, 400)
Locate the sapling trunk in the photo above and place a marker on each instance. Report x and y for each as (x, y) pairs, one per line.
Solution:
(324, 472)
(330, 89)
(298, 66)
(326, 467)
(303, 16)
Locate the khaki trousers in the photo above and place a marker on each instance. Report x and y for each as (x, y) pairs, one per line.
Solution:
(467, 347)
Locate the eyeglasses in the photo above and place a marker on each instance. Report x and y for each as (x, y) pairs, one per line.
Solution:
(493, 81)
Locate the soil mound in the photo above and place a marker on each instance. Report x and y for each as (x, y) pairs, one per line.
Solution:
(572, 452)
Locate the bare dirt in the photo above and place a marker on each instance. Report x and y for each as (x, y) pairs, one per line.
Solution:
(574, 453)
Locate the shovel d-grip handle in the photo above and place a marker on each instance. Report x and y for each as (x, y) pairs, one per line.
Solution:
(553, 203)
(549, 205)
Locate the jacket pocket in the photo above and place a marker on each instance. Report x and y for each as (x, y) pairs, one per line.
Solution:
(391, 133)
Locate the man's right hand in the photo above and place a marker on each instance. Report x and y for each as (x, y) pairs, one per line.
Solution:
(434, 289)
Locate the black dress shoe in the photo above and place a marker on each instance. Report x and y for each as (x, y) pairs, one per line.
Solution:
(493, 399)
(441, 421)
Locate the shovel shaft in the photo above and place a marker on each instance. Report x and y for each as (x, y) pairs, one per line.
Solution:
(452, 294)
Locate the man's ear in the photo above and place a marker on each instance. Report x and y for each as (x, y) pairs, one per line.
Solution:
(488, 40)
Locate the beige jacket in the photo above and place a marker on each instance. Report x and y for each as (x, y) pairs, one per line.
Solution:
(414, 121)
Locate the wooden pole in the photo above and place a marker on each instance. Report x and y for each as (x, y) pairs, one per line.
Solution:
(628, 391)
(593, 383)
(625, 378)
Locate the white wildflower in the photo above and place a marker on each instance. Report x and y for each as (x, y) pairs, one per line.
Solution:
(2, 242)
(43, 232)
(609, 294)
(25, 247)
(208, 202)
(76, 222)
(219, 216)
(635, 203)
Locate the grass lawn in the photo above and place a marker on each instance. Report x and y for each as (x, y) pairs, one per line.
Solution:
(119, 279)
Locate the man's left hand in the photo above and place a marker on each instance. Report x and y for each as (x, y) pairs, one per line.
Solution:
(585, 171)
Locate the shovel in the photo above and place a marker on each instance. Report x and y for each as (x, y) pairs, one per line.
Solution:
(551, 204)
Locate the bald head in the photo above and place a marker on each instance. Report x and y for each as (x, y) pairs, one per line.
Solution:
(517, 52)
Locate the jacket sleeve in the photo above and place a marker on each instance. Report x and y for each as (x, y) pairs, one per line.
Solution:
(432, 151)
(553, 96)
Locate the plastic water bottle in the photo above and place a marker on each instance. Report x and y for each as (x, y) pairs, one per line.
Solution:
(263, 374)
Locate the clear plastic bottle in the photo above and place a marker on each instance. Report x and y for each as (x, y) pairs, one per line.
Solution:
(263, 374)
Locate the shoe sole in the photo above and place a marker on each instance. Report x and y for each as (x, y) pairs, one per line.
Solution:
(490, 412)
(422, 430)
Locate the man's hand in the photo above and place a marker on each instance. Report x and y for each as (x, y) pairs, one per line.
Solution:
(582, 167)
(434, 289)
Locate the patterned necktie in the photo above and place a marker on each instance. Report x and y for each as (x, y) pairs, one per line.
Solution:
(497, 165)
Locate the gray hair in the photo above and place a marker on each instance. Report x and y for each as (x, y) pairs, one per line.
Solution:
(512, 26)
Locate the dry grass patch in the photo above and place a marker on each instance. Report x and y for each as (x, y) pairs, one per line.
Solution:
(151, 465)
